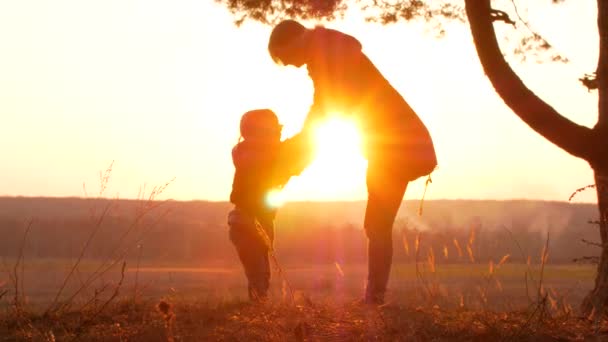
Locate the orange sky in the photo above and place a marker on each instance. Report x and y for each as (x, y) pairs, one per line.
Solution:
(158, 86)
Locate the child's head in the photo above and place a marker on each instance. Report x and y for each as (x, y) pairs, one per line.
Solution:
(260, 124)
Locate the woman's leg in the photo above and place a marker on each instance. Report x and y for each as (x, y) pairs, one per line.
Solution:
(385, 194)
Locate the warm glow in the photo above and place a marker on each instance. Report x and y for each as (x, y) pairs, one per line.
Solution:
(161, 91)
(275, 198)
(338, 143)
(338, 170)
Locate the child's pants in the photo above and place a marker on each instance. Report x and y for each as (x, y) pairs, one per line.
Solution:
(253, 251)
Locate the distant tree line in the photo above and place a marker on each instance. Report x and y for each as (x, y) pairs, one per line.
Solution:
(195, 233)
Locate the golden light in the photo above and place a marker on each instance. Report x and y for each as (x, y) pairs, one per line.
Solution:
(275, 198)
(337, 141)
(338, 169)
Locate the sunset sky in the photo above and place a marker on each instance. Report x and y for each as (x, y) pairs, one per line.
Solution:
(158, 87)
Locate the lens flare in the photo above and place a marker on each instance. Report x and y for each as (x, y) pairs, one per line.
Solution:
(275, 198)
(338, 169)
(337, 140)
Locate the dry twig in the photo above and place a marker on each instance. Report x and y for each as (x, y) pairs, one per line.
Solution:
(17, 283)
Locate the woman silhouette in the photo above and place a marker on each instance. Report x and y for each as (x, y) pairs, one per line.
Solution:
(397, 145)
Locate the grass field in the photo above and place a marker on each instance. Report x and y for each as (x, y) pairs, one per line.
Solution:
(42, 278)
(312, 302)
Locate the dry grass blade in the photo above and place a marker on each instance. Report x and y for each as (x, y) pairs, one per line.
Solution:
(482, 294)
(419, 274)
(95, 298)
(528, 273)
(457, 245)
(523, 255)
(527, 287)
(83, 250)
(445, 252)
(470, 252)
(284, 290)
(19, 284)
(104, 178)
(498, 284)
(491, 267)
(146, 207)
(6, 269)
(406, 245)
(543, 258)
(92, 318)
(540, 306)
(431, 260)
(503, 260)
(136, 286)
(116, 289)
(266, 239)
(472, 236)
(279, 269)
(552, 302)
(263, 235)
(120, 251)
(339, 268)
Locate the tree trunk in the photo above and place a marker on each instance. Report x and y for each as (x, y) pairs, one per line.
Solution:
(589, 144)
(600, 162)
(602, 70)
(597, 298)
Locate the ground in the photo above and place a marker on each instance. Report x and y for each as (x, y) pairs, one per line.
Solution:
(463, 302)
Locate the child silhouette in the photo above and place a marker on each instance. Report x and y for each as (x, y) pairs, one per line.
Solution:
(263, 163)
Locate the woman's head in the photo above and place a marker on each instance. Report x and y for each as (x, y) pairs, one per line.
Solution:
(260, 124)
(287, 43)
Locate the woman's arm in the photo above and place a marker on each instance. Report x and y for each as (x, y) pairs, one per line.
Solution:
(295, 154)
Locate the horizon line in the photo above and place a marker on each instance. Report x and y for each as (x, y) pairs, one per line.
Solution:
(297, 201)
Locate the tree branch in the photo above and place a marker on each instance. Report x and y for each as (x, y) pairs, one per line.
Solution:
(501, 16)
(545, 120)
(591, 243)
(589, 81)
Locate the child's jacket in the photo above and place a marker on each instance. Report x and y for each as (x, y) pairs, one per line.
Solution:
(261, 167)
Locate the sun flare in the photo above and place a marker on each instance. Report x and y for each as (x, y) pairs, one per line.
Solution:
(338, 169)
(337, 142)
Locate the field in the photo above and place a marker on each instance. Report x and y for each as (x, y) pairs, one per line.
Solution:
(311, 302)
(117, 270)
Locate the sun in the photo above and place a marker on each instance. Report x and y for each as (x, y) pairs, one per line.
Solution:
(338, 169)
(337, 142)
